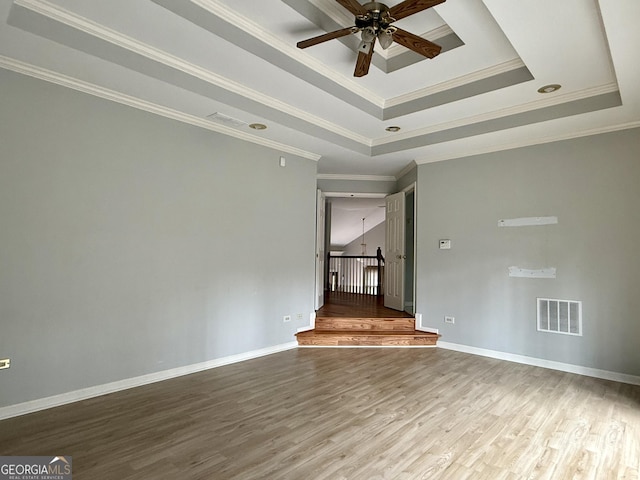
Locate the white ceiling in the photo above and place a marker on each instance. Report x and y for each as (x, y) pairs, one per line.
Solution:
(186, 59)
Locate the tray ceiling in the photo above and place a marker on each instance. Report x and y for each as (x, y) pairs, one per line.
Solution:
(186, 59)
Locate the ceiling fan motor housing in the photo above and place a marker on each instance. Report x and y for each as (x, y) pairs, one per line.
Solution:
(377, 16)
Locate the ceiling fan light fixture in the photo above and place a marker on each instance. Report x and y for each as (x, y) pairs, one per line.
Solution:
(373, 20)
(368, 35)
(550, 88)
(385, 39)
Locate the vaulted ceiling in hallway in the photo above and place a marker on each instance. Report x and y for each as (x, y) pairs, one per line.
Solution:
(189, 59)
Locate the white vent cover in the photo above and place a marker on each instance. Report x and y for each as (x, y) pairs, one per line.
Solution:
(560, 316)
(226, 120)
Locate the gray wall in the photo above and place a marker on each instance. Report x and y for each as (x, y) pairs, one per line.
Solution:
(133, 244)
(592, 185)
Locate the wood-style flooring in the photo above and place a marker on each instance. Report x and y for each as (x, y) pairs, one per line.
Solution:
(348, 319)
(337, 304)
(316, 414)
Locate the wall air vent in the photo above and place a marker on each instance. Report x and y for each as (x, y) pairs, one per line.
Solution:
(560, 316)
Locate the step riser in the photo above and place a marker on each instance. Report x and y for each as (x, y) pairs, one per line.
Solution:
(360, 324)
(363, 341)
(366, 331)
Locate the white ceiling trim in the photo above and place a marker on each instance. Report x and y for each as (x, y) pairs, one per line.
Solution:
(111, 95)
(89, 27)
(222, 11)
(529, 142)
(410, 166)
(369, 178)
(455, 82)
(544, 102)
(354, 195)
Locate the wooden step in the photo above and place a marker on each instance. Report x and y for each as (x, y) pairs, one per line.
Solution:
(366, 338)
(366, 323)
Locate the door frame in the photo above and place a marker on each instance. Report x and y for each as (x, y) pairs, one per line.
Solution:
(320, 250)
(412, 189)
(409, 188)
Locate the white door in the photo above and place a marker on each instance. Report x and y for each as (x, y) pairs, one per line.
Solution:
(320, 250)
(394, 255)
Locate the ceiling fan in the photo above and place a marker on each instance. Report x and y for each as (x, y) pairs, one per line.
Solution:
(374, 20)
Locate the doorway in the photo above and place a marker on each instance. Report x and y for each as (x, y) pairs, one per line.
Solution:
(364, 216)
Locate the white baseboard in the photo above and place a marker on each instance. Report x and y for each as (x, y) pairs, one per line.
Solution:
(539, 362)
(90, 392)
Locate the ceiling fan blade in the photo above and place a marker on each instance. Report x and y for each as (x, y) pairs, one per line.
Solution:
(327, 36)
(353, 6)
(409, 7)
(416, 43)
(364, 61)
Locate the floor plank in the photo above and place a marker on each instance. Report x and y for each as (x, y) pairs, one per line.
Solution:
(348, 414)
(338, 304)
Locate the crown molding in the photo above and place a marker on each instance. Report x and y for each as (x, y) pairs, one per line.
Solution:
(358, 178)
(530, 142)
(455, 82)
(410, 166)
(224, 12)
(504, 112)
(111, 95)
(72, 20)
(354, 195)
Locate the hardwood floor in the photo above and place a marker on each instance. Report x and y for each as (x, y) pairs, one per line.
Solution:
(348, 319)
(354, 305)
(317, 414)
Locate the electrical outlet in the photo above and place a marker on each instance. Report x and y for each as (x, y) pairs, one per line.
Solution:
(5, 363)
(299, 316)
(448, 319)
(286, 318)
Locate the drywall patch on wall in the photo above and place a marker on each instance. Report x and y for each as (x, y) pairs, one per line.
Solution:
(527, 221)
(520, 272)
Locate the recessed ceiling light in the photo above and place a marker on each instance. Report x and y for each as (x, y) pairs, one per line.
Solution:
(392, 128)
(549, 88)
(258, 126)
